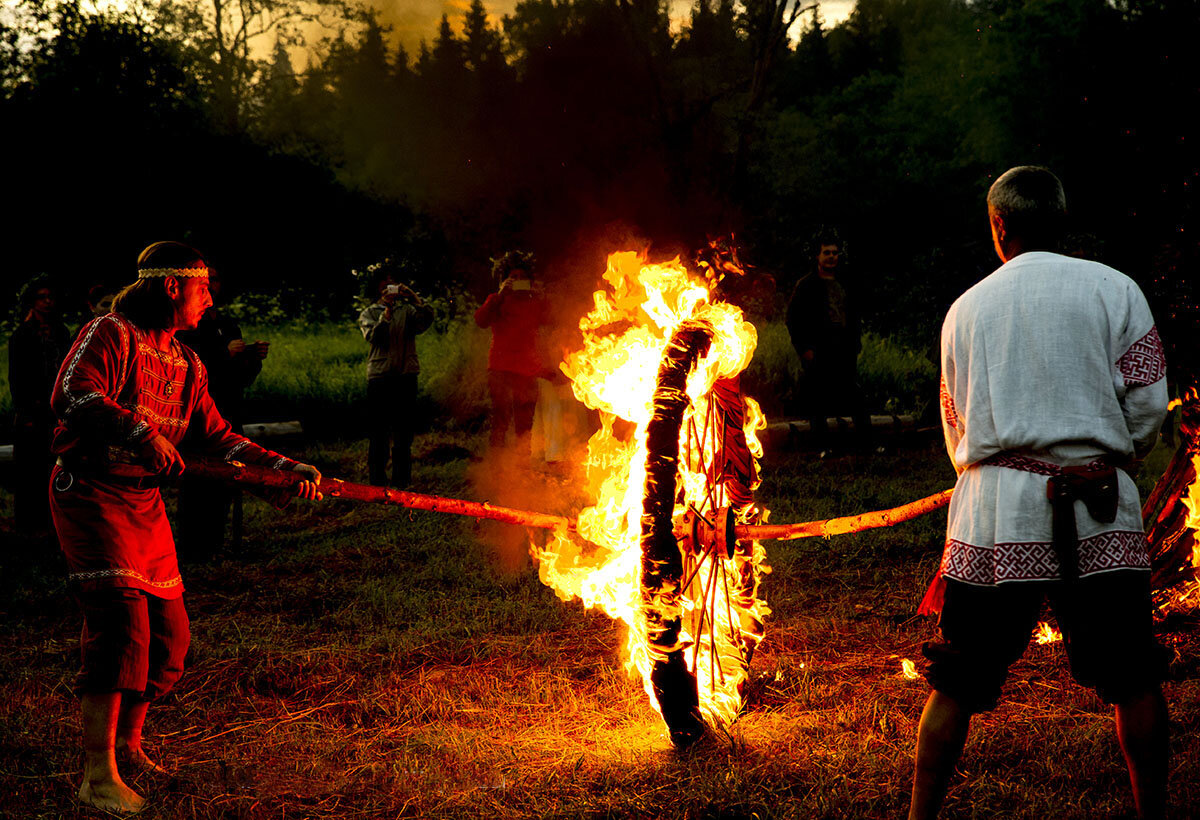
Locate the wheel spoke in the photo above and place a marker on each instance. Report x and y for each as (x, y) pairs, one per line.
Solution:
(699, 561)
(713, 625)
(707, 594)
(733, 631)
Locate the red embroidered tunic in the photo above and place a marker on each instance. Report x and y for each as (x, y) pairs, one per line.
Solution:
(114, 391)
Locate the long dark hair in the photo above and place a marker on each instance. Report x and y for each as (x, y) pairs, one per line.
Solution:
(145, 302)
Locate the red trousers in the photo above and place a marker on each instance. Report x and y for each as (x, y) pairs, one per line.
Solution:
(132, 642)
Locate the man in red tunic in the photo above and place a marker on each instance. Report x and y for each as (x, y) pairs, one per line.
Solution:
(124, 397)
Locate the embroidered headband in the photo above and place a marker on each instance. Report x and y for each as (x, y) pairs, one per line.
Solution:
(153, 273)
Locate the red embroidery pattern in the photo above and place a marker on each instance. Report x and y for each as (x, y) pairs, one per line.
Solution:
(1036, 561)
(949, 411)
(1144, 362)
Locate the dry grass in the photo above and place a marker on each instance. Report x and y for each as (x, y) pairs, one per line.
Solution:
(359, 662)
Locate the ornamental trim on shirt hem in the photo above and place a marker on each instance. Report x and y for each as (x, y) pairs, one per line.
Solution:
(1037, 561)
(120, 572)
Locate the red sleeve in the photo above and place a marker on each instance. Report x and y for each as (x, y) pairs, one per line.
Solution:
(489, 311)
(90, 381)
(218, 438)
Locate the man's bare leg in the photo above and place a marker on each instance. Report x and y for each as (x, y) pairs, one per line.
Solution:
(940, 740)
(129, 734)
(102, 785)
(1142, 729)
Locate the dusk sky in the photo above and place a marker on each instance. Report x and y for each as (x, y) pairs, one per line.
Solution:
(412, 20)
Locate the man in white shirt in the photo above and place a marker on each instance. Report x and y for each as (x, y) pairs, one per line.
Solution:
(1053, 387)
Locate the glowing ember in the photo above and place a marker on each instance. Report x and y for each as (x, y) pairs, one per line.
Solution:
(909, 669)
(1045, 634)
(625, 337)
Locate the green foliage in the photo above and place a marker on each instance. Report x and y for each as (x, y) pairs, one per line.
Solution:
(317, 372)
(6, 406)
(894, 377)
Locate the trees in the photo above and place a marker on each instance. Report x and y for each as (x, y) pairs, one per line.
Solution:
(571, 115)
(224, 34)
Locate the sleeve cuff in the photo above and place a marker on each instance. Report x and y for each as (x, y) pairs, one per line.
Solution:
(141, 432)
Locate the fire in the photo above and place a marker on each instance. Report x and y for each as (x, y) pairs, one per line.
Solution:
(1045, 634)
(1192, 502)
(1191, 496)
(625, 336)
(908, 670)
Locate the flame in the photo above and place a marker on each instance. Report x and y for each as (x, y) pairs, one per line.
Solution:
(908, 669)
(1192, 502)
(1045, 634)
(1191, 498)
(624, 339)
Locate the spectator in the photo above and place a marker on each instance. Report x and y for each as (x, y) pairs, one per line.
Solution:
(232, 366)
(826, 331)
(35, 352)
(514, 313)
(390, 325)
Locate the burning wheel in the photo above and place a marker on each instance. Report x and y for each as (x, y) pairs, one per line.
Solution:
(699, 583)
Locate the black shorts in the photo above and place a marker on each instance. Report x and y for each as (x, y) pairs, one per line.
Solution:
(1106, 622)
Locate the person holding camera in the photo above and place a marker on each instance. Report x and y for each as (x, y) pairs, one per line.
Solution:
(390, 326)
(514, 313)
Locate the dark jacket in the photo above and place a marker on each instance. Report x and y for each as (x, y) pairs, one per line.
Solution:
(823, 317)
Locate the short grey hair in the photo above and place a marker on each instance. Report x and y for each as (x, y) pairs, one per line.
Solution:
(1031, 200)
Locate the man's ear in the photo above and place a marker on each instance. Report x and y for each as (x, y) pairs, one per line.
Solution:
(172, 287)
(998, 227)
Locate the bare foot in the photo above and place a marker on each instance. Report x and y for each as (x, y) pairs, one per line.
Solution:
(138, 758)
(110, 795)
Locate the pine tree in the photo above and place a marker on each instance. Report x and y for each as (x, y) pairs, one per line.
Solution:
(481, 42)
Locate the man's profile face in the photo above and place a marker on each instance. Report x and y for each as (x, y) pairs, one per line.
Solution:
(192, 301)
(827, 258)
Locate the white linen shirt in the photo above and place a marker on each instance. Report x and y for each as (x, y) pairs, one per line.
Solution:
(1050, 361)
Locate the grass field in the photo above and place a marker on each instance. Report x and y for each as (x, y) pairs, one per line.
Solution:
(369, 662)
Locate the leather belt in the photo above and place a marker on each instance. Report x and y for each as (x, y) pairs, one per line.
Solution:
(1094, 484)
(83, 470)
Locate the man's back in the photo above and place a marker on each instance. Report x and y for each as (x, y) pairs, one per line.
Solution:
(1039, 358)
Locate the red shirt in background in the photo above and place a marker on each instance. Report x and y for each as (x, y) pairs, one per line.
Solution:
(514, 317)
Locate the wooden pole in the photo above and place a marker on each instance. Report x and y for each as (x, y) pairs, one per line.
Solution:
(249, 476)
(847, 524)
